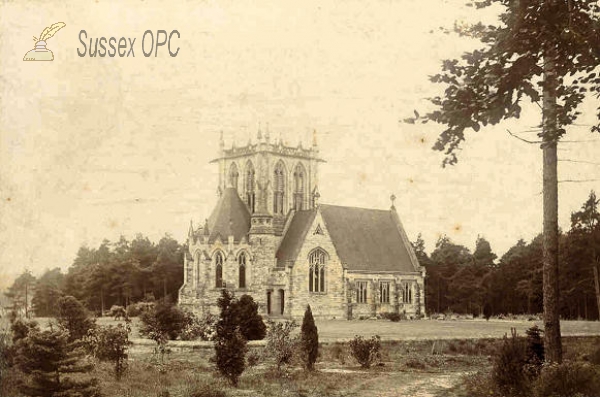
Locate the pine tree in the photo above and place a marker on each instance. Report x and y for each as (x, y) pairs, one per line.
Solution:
(545, 51)
(309, 340)
(46, 357)
(73, 317)
(230, 345)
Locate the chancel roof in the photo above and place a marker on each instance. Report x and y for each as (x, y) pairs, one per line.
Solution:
(364, 239)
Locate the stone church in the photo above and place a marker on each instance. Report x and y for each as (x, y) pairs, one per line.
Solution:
(270, 237)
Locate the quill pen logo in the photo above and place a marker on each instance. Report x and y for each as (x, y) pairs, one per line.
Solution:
(40, 52)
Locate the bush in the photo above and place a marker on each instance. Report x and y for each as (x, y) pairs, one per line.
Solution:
(230, 345)
(246, 316)
(568, 379)
(280, 344)
(117, 312)
(392, 316)
(112, 344)
(195, 328)
(164, 321)
(507, 372)
(73, 317)
(534, 355)
(366, 351)
(136, 309)
(309, 340)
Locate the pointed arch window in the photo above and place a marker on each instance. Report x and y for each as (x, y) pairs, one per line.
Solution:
(279, 188)
(234, 176)
(242, 261)
(250, 194)
(407, 293)
(316, 273)
(299, 187)
(219, 270)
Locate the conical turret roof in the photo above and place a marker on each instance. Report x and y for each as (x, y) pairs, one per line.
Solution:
(230, 217)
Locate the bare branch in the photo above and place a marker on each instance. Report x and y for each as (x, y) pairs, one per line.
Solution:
(524, 140)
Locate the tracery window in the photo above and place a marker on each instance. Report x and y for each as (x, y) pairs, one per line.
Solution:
(316, 273)
(384, 292)
(361, 291)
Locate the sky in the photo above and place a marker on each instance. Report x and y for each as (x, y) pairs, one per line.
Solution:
(95, 148)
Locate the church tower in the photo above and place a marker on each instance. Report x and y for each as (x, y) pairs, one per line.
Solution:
(270, 178)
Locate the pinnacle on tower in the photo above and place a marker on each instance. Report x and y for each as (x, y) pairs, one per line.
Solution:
(259, 134)
(314, 140)
(393, 198)
(221, 141)
(206, 231)
(191, 231)
(267, 134)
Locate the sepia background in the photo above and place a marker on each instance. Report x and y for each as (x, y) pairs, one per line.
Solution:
(94, 148)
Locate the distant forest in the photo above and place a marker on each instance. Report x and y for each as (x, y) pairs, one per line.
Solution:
(457, 281)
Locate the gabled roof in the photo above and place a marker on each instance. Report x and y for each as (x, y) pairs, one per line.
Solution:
(364, 239)
(230, 217)
(294, 236)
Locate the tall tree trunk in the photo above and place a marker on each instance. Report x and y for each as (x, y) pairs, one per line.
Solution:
(552, 339)
(597, 284)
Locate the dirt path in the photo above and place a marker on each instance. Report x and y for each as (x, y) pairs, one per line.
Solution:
(413, 384)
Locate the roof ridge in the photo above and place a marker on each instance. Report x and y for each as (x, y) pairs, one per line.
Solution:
(354, 207)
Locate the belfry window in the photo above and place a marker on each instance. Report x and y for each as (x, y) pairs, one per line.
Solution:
(219, 270)
(298, 187)
(242, 270)
(278, 189)
(234, 176)
(250, 195)
(316, 272)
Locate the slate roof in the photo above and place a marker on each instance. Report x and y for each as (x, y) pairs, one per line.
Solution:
(230, 217)
(364, 239)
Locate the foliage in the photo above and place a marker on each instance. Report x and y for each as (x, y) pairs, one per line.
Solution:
(199, 328)
(73, 317)
(48, 291)
(309, 340)
(136, 309)
(117, 312)
(366, 351)
(568, 379)
(230, 355)
(246, 316)
(21, 292)
(230, 345)
(393, 316)
(111, 344)
(280, 344)
(509, 371)
(164, 321)
(46, 357)
(534, 355)
(124, 272)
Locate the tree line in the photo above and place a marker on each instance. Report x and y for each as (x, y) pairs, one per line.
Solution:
(117, 273)
(477, 283)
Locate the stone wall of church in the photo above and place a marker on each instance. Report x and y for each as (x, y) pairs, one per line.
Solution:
(396, 301)
(330, 304)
